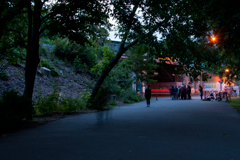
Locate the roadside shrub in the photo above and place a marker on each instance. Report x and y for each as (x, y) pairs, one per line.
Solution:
(55, 103)
(46, 64)
(113, 103)
(13, 109)
(68, 105)
(83, 100)
(130, 96)
(48, 104)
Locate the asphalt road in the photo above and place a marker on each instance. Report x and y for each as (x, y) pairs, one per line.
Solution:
(167, 130)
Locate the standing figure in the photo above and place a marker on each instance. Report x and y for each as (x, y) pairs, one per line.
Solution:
(172, 91)
(148, 95)
(184, 92)
(189, 92)
(176, 92)
(181, 92)
(201, 91)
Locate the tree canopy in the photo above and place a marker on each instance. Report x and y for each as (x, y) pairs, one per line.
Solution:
(179, 30)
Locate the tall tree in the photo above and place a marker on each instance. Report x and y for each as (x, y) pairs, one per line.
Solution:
(71, 18)
(140, 21)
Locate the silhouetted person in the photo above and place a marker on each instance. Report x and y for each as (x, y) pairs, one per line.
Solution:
(201, 91)
(189, 92)
(184, 92)
(172, 91)
(148, 95)
(180, 92)
(176, 92)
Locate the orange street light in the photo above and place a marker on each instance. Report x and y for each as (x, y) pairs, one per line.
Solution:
(226, 70)
(213, 39)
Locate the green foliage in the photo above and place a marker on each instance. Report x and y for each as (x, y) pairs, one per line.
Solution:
(79, 66)
(52, 40)
(52, 56)
(102, 64)
(15, 55)
(113, 103)
(48, 104)
(205, 76)
(4, 75)
(235, 104)
(13, 34)
(66, 75)
(68, 105)
(3, 70)
(20, 73)
(57, 103)
(72, 52)
(130, 96)
(141, 61)
(43, 50)
(84, 97)
(13, 109)
(46, 64)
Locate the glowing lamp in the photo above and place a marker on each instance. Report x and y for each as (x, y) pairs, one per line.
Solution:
(226, 70)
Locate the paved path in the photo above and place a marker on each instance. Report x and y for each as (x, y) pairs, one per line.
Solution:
(167, 130)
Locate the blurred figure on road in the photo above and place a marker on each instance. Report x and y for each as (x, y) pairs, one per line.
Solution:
(148, 95)
(201, 91)
(189, 92)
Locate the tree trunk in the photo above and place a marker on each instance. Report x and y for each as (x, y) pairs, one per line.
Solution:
(32, 58)
(105, 72)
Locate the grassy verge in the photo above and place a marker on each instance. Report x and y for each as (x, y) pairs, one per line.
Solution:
(236, 104)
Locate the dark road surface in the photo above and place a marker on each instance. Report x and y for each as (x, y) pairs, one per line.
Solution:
(167, 130)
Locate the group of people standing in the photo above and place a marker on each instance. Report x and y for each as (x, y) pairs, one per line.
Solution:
(183, 92)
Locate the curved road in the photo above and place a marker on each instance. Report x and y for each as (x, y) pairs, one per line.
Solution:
(167, 130)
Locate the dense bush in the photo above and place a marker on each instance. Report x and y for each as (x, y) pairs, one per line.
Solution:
(46, 64)
(79, 65)
(130, 96)
(113, 103)
(56, 103)
(70, 50)
(48, 104)
(13, 109)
